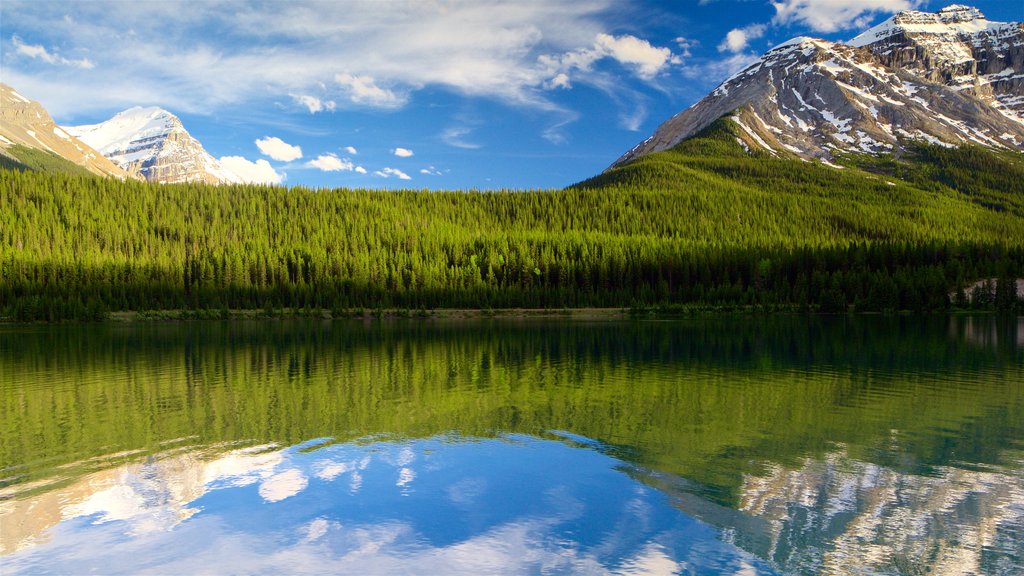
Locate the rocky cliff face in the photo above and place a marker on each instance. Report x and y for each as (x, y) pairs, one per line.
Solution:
(25, 122)
(950, 77)
(153, 144)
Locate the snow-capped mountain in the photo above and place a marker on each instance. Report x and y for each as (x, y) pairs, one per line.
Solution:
(951, 77)
(26, 122)
(152, 143)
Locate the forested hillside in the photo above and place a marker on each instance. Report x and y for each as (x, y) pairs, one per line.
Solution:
(707, 223)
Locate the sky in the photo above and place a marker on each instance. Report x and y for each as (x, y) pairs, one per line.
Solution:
(438, 94)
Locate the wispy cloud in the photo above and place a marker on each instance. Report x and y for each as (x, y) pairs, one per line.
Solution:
(455, 137)
(364, 90)
(314, 104)
(278, 149)
(37, 51)
(372, 54)
(351, 150)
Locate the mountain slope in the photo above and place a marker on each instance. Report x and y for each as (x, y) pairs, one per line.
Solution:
(29, 136)
(951, 77)
(875, 197)
(153, 143)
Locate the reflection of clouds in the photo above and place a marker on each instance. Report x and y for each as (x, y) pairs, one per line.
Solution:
(405, 477)
(467, 491)
(405, 456)
(242, 467)
(318, 532)
(283, 485)
(652, 560)
(317, 528)
(328, 471)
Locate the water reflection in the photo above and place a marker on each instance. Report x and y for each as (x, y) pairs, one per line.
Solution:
(511, 505)
(808, 445)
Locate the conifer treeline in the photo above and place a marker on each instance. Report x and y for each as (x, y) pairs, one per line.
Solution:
(723, 231)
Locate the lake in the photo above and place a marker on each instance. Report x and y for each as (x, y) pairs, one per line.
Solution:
(733, 444)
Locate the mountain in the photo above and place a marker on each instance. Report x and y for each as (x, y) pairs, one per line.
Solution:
(29, 136)
(153, 143)
(950, 77)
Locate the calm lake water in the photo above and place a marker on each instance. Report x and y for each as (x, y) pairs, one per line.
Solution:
(735, 445)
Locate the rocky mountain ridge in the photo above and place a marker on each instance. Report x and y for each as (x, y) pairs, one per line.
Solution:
(950, 77)
(25, 122)
(153, 143)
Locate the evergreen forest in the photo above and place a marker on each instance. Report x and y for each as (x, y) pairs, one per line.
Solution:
(709, 224)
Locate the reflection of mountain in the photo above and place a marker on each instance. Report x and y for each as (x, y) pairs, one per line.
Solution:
(151, 494)
(838, 515)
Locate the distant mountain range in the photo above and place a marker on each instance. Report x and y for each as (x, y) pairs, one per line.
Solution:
(140, 143)
(950, 77)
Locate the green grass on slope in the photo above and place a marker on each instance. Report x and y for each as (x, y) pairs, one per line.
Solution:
(25, 158)
(929, 192)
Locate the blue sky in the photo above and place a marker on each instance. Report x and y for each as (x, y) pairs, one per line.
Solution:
(409, 93)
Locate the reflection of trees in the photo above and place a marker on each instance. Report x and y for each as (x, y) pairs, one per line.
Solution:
(700, 398)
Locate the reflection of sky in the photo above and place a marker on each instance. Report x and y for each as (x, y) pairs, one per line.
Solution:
(515, 505)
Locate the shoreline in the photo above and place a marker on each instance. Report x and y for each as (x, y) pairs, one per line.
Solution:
(592, 314)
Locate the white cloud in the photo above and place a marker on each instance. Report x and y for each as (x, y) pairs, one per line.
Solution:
(360, 170)
(258, 172)
(388, 172)
(37, 51)
(364, 90)
(685, 44)
(455, 137)
(738, 38)
(278, 149)
(645, 60)
(430, 171)
(313, 104)
(331, 163)
(835, 15)
(402, 152)
(374, 54)
(351, 150)
(637, 53)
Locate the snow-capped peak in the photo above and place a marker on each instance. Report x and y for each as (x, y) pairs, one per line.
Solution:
(125, 129)
(798, 41)
(947, 77)
(955, 19)
(960, 13)
(153, 142)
